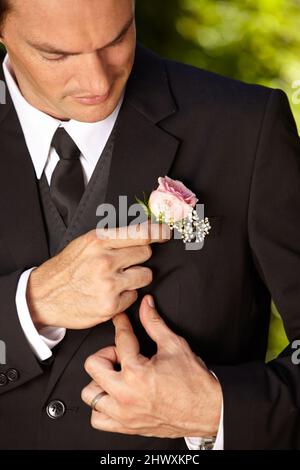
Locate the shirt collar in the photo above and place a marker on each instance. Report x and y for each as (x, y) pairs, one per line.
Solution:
(39, 127)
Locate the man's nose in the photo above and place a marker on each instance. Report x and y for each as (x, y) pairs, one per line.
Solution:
(93, 77)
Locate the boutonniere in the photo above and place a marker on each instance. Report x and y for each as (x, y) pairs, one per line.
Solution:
(174, 204)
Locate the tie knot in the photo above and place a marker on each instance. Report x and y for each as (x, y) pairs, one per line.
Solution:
(65, 145)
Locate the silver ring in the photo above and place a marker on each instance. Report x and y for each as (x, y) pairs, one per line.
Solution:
(96, 399)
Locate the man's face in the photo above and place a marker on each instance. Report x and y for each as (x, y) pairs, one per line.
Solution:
(63, 50)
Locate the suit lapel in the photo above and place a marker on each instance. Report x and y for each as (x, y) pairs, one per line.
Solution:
(22, 229)
(142, 153)
(143, 150)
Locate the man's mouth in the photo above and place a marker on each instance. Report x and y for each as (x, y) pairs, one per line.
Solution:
(92, 99)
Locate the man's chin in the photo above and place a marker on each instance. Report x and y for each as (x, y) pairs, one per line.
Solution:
(91, 113)
(85, 113)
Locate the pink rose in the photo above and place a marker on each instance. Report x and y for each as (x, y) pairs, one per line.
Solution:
(172, 199)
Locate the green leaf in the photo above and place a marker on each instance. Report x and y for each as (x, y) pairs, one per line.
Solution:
(144, 206)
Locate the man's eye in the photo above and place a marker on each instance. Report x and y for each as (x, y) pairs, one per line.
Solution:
(121, 39)
(55, 59)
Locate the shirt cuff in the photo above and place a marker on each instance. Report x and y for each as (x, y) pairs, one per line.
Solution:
(41, 342)
(194, 443)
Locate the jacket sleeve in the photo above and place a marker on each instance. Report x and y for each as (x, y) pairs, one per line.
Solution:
(18, 363)
(262, 401)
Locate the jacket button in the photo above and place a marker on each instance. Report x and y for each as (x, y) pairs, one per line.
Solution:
(3, 380)
(12, 375)
(56, 409)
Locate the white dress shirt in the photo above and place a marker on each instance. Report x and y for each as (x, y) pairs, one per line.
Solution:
(38, 129)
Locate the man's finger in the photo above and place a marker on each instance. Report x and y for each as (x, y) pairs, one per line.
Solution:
(131, 256)
(127, 345)
(126, 299)
(135, 277)
(101, 370)
(109, 353)
(154, 324)
(90, 391)
(135, 235)
(106, 404)
(102, 422)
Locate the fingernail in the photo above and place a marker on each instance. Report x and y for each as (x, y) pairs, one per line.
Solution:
(150, 301)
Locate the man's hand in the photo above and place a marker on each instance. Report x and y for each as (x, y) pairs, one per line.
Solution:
(95, 277)
(170, 395)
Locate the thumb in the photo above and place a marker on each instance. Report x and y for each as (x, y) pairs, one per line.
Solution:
(153, 323)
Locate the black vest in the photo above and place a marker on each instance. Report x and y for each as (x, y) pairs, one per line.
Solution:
(84, 219)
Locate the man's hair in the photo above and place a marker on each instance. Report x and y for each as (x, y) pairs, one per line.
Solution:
(4, 9)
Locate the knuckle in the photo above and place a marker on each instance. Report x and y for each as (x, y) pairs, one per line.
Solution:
(84, 395)
(108, 286)
(120, 332)
(179, 342)
(134, 295)
(147, 251)
(112, 306)
(130, 298)
(148, 275)
(94, 420)
(133, 374)
(102, 234)
(93, 245)
(129, 371)
(91, 236)
(106, 263)
(89, 364)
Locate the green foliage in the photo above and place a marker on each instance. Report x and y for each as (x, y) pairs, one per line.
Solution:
(277, 337)
(256, 41)
(145, 204)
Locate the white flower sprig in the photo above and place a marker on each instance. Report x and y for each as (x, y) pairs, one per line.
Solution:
(191, 228)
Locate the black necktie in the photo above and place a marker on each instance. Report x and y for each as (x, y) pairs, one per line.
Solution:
(67, 184)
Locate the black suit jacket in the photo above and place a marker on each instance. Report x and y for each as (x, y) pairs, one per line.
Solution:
(236, 146)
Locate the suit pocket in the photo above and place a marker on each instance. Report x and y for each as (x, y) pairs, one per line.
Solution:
(196, 279)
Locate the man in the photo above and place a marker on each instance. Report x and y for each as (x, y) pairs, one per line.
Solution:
(89, 117)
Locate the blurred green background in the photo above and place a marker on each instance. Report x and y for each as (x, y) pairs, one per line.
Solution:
(257, 41)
